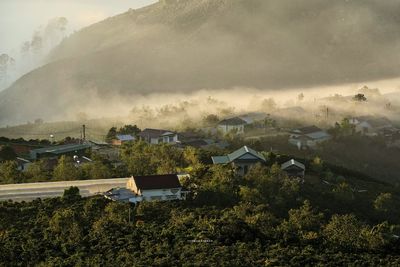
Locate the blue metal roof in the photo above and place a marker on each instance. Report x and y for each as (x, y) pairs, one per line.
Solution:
(236, 155)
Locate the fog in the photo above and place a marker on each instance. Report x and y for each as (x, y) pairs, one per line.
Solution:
(181, 111)
(29, 29)
(174, 55)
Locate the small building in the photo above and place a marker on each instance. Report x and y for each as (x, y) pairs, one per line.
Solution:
(58, 151)
(157, 136)
(232, 125)
(370, 125)
(242, 159)
(293, 168)
(120, 194)
(156, 187)
(122, 139)
(308, 137)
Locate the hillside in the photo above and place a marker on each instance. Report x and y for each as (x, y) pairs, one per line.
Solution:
(187, 45)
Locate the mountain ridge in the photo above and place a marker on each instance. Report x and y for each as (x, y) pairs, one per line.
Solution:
(187, 45)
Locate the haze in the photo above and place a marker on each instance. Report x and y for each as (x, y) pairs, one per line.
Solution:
(20, 18)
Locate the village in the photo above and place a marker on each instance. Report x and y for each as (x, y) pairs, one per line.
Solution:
(231, 137)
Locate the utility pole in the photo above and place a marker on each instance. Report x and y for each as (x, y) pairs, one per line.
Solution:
(84, 132)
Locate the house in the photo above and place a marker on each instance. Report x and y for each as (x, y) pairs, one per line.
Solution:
(122, 139)
(370, 125)
(242, 159)
(157, 136)
(293, 168)
(58, 151)
(156, 187)
(308, 137)
(232, 125)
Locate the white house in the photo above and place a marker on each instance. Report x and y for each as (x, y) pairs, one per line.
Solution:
(309, 136)
(242, 159)
(156, 187)
(232, 125)
(157, 136)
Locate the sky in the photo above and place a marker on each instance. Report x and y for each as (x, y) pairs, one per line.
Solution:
(20, 18)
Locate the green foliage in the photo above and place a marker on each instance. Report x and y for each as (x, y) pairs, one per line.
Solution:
(384, 202)
(66, 170)
(71, 193)
(142, 158)
(112, 134)
(37, 172)
(7, 153)
(269, 186)
(303, 223)
(344, 231)
(9, 173)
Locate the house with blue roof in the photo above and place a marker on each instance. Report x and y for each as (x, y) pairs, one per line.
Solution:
(122, 138)
(242, 159)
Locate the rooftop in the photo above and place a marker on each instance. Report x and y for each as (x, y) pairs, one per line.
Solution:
(154, 133)
(125, 137)
(307, 130)
(232, 121)
(292, 162)
(165, 181)
(61, 149)
(237, 154)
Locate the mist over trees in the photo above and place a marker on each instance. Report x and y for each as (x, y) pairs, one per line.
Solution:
(189, 45)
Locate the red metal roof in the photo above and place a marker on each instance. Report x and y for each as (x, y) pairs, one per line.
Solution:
(157, 182)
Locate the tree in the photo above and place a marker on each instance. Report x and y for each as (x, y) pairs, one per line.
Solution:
(7, 153)
(359, 98)
(344, 231)
(384, 203)
(303, 223)
(71, 193)
(210, 120)
(9, 173)
(96, 170)
(37, 172)
(65, 170)
(129, 129)
(112, 134)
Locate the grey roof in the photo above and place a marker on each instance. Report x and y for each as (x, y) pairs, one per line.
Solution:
(233, 121)
(318, 135)
(375, 122)
(154, 133)
(307, 130)
(61, 149)
(237, 154)
(125, 137)
(312, 132)
(292, 162)
(119, 194)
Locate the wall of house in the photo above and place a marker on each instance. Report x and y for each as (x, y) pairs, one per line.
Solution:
(161, 194)
(231, 128)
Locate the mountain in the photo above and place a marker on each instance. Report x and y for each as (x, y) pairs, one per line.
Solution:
(187, 45)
